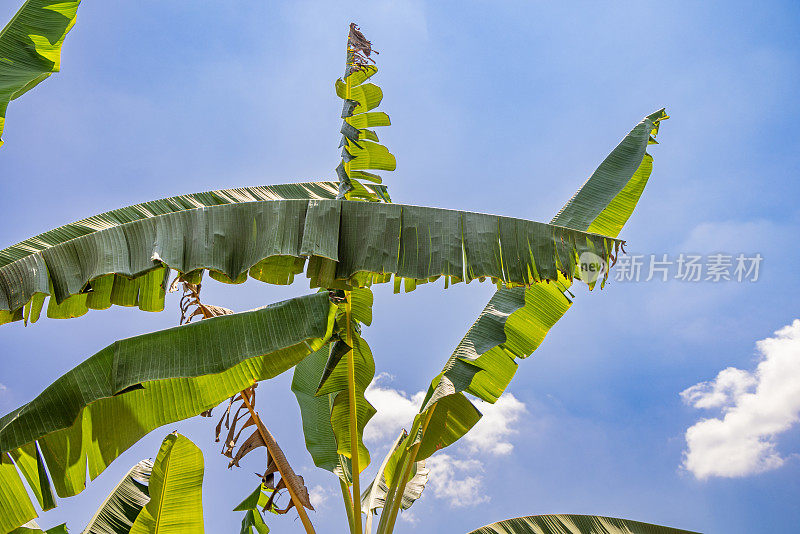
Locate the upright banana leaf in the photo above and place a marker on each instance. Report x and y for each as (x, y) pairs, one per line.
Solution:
(574, 524)
(515, 321)
(30, 47)
(320, 385)
(176, 490)
(121, 508)
(361, 150)
(347, 244)
(96, 411)
(374, 497)
(146, 292)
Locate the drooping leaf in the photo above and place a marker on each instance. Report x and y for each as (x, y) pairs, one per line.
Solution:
(122, 506)
(315, 412)
(320, 384)
(176, 490)
(146, 292)
(147, 381)
(348, 243)
(30, 47)
(574, 524)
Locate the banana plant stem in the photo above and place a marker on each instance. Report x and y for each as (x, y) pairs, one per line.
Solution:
(348, 503)
(351, 391)
(269, 441)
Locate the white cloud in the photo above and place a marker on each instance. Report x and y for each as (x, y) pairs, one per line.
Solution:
(319, 495)
(3, 387)
(491, 433)
(456, 477)
(409, 517)
(395, 410)
(730, 385)
(460, 482)
(756, 407)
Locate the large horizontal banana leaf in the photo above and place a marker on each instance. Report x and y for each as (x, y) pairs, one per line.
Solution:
(147, 291)
(96, 411)
(30, 47)
(354, 243)
(574, 524)
(516, 320)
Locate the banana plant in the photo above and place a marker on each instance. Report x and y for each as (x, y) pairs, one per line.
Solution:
(30, 47)
(345, 236)
(574, 524)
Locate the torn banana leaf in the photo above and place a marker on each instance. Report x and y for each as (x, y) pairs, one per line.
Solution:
(348, 243)
(176, 490)
(574, 524)
(361, 148)
(374, 497)
(516, 320)
(96, 411)
(122, 506)
(320, 384)
(30, 47)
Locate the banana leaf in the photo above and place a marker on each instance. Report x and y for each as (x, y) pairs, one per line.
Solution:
(516, 320)
(176, 490)
(30, 47)
(574, 524)
(374, 497)
(146, 292)
(350, 244)
(32, 527)
(320, 385)
(122, 506)
(361, 147)
(96, 411)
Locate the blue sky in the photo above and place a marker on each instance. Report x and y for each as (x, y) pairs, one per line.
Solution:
(501, 107)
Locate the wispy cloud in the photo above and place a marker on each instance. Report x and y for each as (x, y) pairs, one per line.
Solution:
(456, 476)
(3, 387)
(455, 480)
(319, 495)
(491, 433)
(756, 407)
(396, 409)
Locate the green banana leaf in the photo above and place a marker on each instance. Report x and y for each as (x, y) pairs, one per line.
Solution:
(32, 527)
(253, 521)
(147, 292)
(121, 508)
(574, 524)
(374, 497)
(348, 243)
(252, 518)
(516, 320)
(361, 147)
(320, 385)
(144, 382)
(176, 490)
(30, 47)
